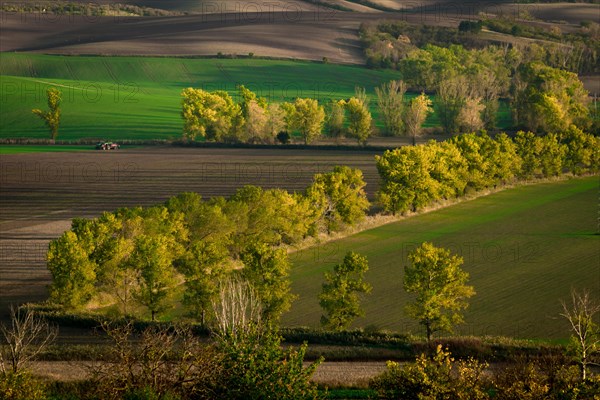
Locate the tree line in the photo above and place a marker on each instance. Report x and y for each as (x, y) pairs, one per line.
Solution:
(468, 85)
(135, 258)
(414, 177)
(386, 43)
(215, 116)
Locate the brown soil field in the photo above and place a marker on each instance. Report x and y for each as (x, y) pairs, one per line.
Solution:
(41, 192)
(303, 35)
(298, 30)
(309, 35)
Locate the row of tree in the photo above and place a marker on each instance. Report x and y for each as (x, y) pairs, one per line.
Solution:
(215, 116)
(434, 276)
(415, 176)
(137, 257)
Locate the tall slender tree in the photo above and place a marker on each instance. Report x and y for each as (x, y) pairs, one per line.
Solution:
(339, 297)
(51, 117)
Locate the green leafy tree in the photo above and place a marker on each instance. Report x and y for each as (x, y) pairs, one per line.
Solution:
(203, 265)
(582, 153)
(506, 161)
(151, 256)
(51, 117)
(339, 297)
(256, 366)
(449, 169)
(246, 97)
(73, 274)
(406, 173)
(204, 220)
(359, 118)
(451, 98)
(433, 377)
(117, 277)
(479, 165)
(213, 116)
(540, 155)
(552, 155)
(339, 197)
(415, 114)
(390, 98)
(547, 99)
(529, 147)
(267, 270)
(440, 285)
(270, 216)
(335, 119)
(308, 117)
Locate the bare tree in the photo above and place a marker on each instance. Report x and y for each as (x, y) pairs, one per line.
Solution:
(415, 114)
(469, 116)
(361, 94)
(237, 306)
(24, 339)
(166, 359)
(586, 335)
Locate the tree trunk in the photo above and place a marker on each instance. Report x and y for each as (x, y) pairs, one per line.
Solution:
(153, 315)
(428, 328)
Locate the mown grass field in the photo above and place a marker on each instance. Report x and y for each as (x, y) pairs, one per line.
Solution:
(119, 98)
(524, 249)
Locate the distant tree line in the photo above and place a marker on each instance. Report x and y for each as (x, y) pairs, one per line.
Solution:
(387, 43)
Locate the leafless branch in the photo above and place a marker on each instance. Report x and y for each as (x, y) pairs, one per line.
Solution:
(25, 338)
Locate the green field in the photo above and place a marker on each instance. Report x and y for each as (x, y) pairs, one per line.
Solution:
(18, 149)
(524, 249)
(117, 98)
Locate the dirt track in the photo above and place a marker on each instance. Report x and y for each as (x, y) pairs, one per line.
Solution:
(41, 193)
(328, 373)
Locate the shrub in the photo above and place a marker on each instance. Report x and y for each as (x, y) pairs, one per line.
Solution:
(283, 137)
(256, 367)
(21, 386)
(160, 364)
(432, 378)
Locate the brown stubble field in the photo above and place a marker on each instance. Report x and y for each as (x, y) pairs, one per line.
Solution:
(40, 193)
